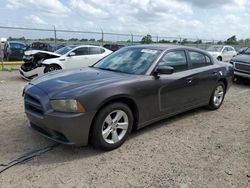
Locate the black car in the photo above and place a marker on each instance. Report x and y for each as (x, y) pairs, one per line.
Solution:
(129, 89)
(39, 46)
(113, 47)
(14, 50)
(242, 50)
(241, 64)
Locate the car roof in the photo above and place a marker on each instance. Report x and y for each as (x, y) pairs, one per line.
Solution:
(16, 42)
(165, 47)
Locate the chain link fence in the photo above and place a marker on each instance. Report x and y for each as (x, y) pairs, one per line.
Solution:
(56, 37)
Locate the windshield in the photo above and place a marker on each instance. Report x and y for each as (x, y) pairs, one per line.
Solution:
(129, 60)
(214, 48)
(64, 50)
(17, 45)
(247, 51)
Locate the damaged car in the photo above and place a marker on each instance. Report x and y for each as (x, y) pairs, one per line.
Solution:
(37, 62)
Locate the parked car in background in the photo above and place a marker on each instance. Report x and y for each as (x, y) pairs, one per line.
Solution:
(39, 62)
(241, 64)
(242, 50)
(54, 47)
(222, 53)
(39, 46)
(14, 50)
(129, 89)
(113, 47)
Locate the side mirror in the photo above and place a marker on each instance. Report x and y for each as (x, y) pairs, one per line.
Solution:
(72, 54)
(164, 70)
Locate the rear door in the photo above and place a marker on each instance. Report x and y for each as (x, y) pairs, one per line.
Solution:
(226, 54)
(204, 75)
(95, 54)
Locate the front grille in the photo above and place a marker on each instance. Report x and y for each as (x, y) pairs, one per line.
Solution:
(33, 105)
(242, 67)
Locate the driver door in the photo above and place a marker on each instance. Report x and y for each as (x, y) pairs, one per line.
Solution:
(80, 59)
(176, 91)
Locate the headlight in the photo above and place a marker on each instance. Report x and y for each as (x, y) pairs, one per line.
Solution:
(68, 105)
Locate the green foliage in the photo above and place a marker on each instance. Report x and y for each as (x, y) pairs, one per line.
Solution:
(220, 42)
(231, 40)
(146, 39)
(164, 41)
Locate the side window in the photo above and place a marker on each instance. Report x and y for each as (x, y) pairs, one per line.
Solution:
(225, 49)
(175, 59)
(82, 51)
(96, 50)
(231, 49)
(198, 59)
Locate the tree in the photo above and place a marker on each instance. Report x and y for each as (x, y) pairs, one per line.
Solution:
(220, 42)
(164, 41)
(198, 41)
(247, 41)
(175, 41)
(231, 40)
(92, 40)
(83, 40)
(73, 39)
(146, 39)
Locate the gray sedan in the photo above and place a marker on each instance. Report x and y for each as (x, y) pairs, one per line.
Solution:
(129, 89)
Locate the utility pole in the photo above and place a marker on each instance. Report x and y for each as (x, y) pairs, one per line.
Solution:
(55, 35)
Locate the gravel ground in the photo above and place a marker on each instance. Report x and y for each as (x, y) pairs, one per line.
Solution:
(199, 148)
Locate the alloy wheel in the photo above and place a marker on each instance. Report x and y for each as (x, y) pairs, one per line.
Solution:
(115, 126)
(218, 95)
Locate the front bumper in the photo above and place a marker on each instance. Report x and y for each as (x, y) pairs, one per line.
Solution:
(66, 128)
(32, 73)
(241, 74)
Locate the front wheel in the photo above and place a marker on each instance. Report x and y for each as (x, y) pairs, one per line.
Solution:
(219, 58)
(51, 68)
(217, 97)
(112, 126)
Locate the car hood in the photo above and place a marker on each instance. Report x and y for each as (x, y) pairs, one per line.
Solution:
(67, 83)
(242, 58)
(33, 52)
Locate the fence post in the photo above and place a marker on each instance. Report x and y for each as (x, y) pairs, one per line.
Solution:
(55, 35)
(132, 38)
(102, 40)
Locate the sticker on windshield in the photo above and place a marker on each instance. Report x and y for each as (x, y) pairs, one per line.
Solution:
(149, 51)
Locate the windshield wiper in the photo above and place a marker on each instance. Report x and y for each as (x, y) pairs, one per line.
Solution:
(109, 69)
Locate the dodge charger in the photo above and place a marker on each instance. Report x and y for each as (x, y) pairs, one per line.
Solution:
(127, 90)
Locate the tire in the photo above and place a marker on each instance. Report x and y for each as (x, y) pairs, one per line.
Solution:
(108, 132)
(8, 58)
(219, 58)
(51, 68)
(217, 96)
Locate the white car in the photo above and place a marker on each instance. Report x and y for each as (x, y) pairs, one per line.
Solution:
(38, 62)
(222, 53)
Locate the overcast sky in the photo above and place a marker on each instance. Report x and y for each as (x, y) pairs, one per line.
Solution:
(209, 19)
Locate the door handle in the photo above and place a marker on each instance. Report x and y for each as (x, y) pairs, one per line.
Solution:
(189, 80)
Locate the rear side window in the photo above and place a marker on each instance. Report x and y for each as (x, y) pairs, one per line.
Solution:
(82, 51)
(199, 60)
(175, 59)
(95, 50)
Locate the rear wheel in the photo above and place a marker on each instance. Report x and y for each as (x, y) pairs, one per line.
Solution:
(52, 67)
(112, 126)
(219, 58)
(217, 97)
